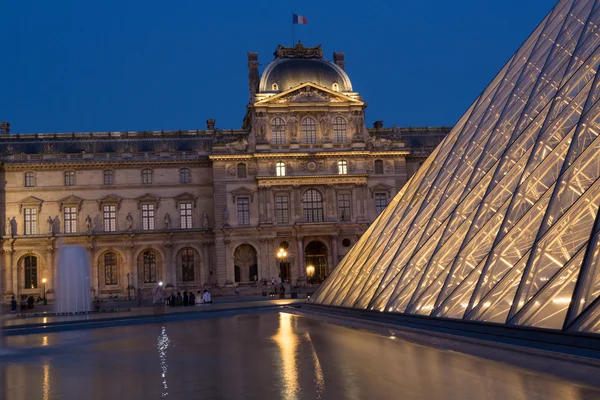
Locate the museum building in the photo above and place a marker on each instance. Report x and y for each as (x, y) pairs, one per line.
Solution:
(286, 196)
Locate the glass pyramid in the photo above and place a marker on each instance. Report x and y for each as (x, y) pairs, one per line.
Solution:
(501, 222)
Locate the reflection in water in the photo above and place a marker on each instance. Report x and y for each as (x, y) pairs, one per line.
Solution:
(46, 384)
(287, 341)
(319, 377)
(162, 345)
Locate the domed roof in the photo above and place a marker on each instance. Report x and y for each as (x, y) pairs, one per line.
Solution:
(296, 65)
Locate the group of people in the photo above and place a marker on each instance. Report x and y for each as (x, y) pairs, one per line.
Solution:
(189, 299)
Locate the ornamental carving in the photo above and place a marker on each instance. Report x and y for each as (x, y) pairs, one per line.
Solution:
(325, 125)
(271, 168)
(377, 143)
(259, 127)
(252, 170)
(292, 127)
(309, 94)
(124, 148)
(48, 148)
(312, 166)
(357, 121)
(9, 150)
(369, 167)
(299, 51)
(389, 167)
(88, 148)
(238, 146)
(231, 170)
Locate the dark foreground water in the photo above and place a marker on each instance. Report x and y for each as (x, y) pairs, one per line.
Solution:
(257, 356)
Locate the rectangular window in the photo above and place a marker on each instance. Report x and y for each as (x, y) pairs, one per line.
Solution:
(110, 218)
(282, 210)
(70, 219)
(243, 211)
(109, 177)
(31, 221)
(29, 179)
(148, 217)
(380, 202)
(185, 213)
(69, 178)
(344, 206)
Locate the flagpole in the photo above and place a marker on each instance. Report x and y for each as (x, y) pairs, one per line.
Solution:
(292, 27)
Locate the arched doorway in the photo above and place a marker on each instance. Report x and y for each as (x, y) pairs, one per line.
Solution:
(316, 256)
(245, 265)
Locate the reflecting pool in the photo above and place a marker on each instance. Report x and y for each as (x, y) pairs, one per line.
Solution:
(265, 355)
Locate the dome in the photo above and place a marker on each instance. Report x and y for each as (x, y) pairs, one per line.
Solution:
(295, 66)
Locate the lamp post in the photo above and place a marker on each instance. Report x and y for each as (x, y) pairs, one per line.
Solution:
(44, 282)
(128, 288)
(310, 271)
(281, 256)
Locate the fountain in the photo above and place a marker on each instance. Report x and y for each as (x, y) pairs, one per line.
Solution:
(73, 281)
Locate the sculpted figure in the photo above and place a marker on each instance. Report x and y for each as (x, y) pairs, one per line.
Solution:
(129, 222)
(88, 223)
(50, 223)
(8, 228)
(225, 217)
(204, 220)
(167, 221)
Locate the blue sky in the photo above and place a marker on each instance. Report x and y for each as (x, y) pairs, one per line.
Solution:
(152, 65)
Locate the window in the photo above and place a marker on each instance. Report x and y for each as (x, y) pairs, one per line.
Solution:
(110, 218)
(282, 209)
(278, 130)
(380, 202)
(275, 86)
(339, 130)
(146, 176)
(187, 265)
(31, 281)
(184, 176)
(148, 217)
(70, 219)
(109, 177)
(241, 170)
(280, 168)
(309, 130)
(243, 210)
(379, 167)
(313, 206)
(335, 87)
(185, 215)
(343, 206)
(29, 179)
(69, 178)
(110, 269)
(31, 221)
(149, 266)
(342, 167)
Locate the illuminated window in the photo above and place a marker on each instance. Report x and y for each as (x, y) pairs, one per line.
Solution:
(243, 210)
(275, 86)
(342, 167)
(280, 168)
(109, 220)
(339, 130)
(31, 272)
(312, 204)
(149, 266)
(278, 130)
(146, 176)
(111, 276)
(29, 179)
(70, 178)
(343, 206)
(109, 177)
(184, 176)
(309, 130)
(185, 215)
(187, 265)
(282, 212)
(148, 217)
(70, 219)
(335, 87)
(241, 170)
(30, 221)
(379, 167)
(380, 202)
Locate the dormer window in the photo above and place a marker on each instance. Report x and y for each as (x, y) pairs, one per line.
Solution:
(275, 86)
(335, 87)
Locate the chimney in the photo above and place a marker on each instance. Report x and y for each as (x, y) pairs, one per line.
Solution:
(378, 124)
(210, 124)
(253, 74)
(4, 128)
(338, 58)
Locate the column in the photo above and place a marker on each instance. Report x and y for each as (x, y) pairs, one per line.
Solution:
(334, 252)
(8, 276)
(49, 271)
(301, 268)
(365, 197)
(168, 272)
(205, 265)
(131, 267)
(261, 205)
(94, 269)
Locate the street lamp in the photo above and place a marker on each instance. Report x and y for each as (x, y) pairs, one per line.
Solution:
(310, 270)
(128, 288)
(44, 282)
(281, 254)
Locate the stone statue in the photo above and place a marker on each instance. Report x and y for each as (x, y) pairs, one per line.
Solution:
(167, 221)
(324, 124)
(50, 222)
(88, 223)
(225, 218)
(292, 123)
(129, 222)
(8, 228)
(260, 124)
(205, 220)
(358, 122)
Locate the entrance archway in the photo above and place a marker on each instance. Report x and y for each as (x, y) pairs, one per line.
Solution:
(244, 260)
(316, 255)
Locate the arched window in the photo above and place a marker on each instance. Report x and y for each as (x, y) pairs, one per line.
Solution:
(342, 167)
(29, 179)
(31, 272)
(146, 176)
(187, 265)
(335, 87)
(339, 130)
(312, 203)
(379, 167)
(109, 177)
(111, 276)
(309, 130)
(280, 168)
(70, 178)
(184, 176)
(241, 170)
(149, 266)
(278, 130)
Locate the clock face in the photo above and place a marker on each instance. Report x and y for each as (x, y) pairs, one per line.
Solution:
(311, 166)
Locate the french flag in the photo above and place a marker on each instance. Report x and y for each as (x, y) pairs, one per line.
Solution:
(299, 19)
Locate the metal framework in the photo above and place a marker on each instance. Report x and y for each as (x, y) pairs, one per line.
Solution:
(501, 223)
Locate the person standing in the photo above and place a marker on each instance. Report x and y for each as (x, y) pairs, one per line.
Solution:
(186, 299)
(192, 299)
(13, 305)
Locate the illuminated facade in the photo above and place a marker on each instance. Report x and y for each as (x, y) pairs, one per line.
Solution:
(209, 207)
(501, 223)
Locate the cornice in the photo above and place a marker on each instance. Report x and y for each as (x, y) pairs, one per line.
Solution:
(303, 180)
(95, 164)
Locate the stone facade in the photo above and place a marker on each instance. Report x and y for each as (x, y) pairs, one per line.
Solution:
(303, 178)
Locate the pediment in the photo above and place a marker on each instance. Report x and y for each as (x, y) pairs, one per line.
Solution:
(380, 187)
(185, 197)
(109, 199)
(148, 198)
(242, 192)
(308, 93)
(31, 202)
(70, 200)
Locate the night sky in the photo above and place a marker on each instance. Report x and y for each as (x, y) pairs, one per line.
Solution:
(159, 65)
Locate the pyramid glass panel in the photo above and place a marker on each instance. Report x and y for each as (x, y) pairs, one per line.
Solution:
(501, 222)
